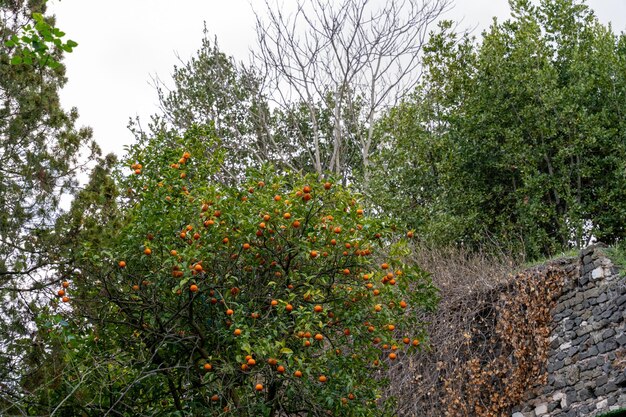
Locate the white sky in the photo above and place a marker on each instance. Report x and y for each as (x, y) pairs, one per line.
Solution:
(123, 43)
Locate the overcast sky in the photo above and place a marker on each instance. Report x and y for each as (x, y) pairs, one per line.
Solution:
(123, 43)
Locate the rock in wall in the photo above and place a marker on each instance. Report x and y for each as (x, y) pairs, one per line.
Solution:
(587, 361)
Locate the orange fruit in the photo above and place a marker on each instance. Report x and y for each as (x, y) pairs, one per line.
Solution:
(415, 342)
(246, 246)
(260, 184)
(296, 224)
(65, 284)
(274, 303)
(207, 366)
(392, 356)
(306, 189)
(391, 327)
(229, 312)
(307, 197)
(298, 374)
(259, 387)
(403, 304)
(289, 307)
(65, 299)
(173, 252)
(215, 397)
(409, 234)
(251, 362)
(122, 264)
(277, 198)
(193, 288)
(287, 216)
(61, 293)
(337, 230)
(135, 287)
(319, 337)
(237, 332)
(327, 185)
(280, 369)
(384, 265)
(314, 254)
(322, 378)
(318, 308)
(198, 267)
(406, 340)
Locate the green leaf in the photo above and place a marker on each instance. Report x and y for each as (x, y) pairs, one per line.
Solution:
(16, 60)
(286, 351)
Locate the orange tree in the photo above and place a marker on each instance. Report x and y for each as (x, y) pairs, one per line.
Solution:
(277, 297)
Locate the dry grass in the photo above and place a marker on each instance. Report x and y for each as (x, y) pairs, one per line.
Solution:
(470, 285)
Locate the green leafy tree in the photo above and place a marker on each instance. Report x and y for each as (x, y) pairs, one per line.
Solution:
(520, 134)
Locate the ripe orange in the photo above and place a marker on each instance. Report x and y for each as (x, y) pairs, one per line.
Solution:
(229, 312)
(173, 252)
(196, 236)
(65, 299)
(314, 254)
(392, 356)
(415, 342)
(322, 378)
(215, 398)
(198, 267)
(391, 327)
(251, 362)
(384, 265)
(135, 287)
(307, 343)
(225, 240)
(274, 303)
(318, 308)
(403, 304)
(122, 264)
(280, 369)
(378, 307)
(193, 288)
(359, 212)
(237, 332)
(406, 340)
(287, 216)
(61, 293)
(207, 366)
(65, 284)
(289, 307)
(307, 197)
(327, 185)
(246, 246)
(186, 155)
(409, 234)
(296, 224)
(337, 230)
(259, 387)
(277, 198)
(319, 337)
(307, 189)
(298, 374)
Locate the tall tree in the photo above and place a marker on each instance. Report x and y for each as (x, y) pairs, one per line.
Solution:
(521, 133)
(41, 154)
(354, 57)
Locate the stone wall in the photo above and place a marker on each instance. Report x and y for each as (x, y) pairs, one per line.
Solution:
(587, 361)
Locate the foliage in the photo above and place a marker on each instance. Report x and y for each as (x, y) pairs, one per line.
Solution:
(41, 154)
(516, 139)
(212, 88)
(262, 299)
(35, 42)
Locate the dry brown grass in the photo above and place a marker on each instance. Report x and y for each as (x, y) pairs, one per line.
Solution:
(465, 336)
